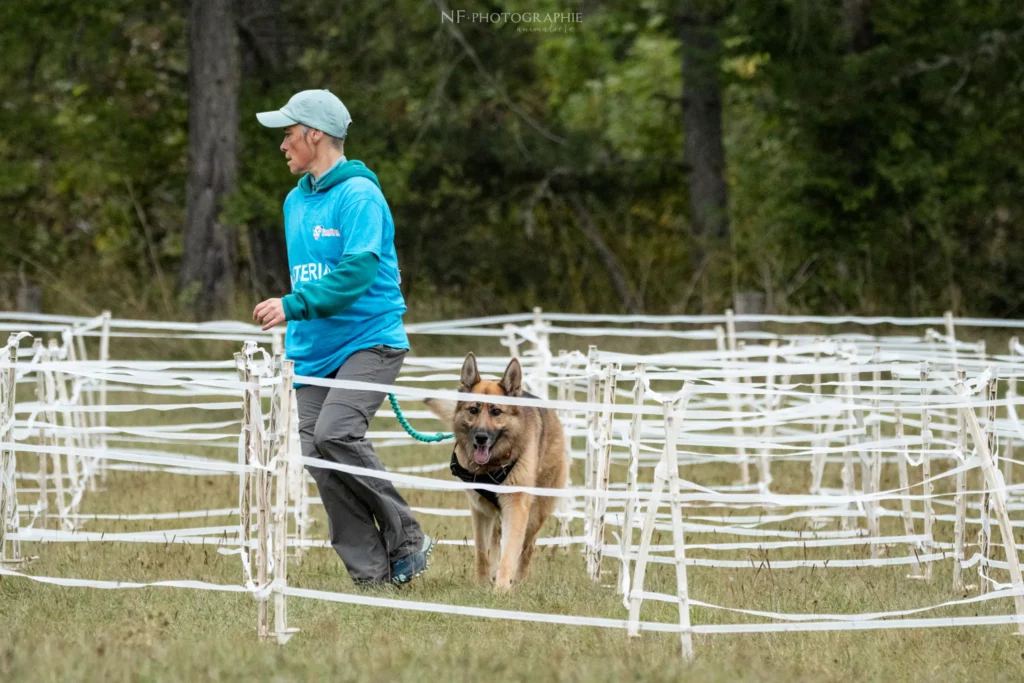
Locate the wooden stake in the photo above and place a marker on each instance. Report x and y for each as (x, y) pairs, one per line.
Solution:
(628, 511)
(601, 476)
(73, 423)
(297, 482)
(104, 358)
(985, 533)
(244, 481)
(10, 548)
(49, 382)
(764, 470)
(281, 429)
(591, 449)
(876, 455)
(960, 499)
(263, 490)
(678, 539)
(818, 457)
(735, 406)
(847, 473)
(647, 531)
(908, 513)
(1011, 394)
(511, 340)
(75, 340)
(44, 485)
(565, 392)
(865, 461)
(950, 333)
(999, 504)
(730, 328)
(927, 487)
(543, 351)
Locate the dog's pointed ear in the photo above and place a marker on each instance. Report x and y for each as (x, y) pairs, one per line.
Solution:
(470, 375)
(512, 381)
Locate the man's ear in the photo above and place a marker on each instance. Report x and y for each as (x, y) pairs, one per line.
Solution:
(470, 375)
(512, 381)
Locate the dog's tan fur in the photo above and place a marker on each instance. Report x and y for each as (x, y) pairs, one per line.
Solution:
(533, 437)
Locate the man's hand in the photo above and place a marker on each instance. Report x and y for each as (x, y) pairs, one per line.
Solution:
(269, 313)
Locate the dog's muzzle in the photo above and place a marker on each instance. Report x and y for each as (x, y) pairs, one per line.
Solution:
(482, 441)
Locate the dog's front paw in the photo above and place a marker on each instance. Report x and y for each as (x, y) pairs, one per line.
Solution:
(503, 581)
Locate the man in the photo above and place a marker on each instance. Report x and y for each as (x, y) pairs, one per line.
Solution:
(344, 321)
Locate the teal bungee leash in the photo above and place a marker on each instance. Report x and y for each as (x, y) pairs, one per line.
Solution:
(426, 438)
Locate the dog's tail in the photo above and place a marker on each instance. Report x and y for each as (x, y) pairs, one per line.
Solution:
(445, 410)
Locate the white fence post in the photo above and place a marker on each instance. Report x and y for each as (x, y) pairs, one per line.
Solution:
(928, 488)
(1011, 413)
(818, 457)
(50, 393)
(603, 471)
(511, 341)
(10, 548)
(566, 393)
(629, 506)
(678, 539)
(635, 596)
(667, 472)
(764, 466)
(960, 499)
(735, 404)
(590, 448)
(998, 488)
(985, 533)
(252, 455)
(542, 349)
(104, 359)
(282, 442)
(876, 453)
(908, 513)
(847, 472)
(950, 334)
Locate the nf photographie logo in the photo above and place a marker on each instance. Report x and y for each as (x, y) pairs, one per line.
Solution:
(523, 21)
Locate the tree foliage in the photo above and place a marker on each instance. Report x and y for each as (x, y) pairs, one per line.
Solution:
(876, 172)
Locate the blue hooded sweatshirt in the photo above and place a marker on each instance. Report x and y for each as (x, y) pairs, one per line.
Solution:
(344, 270)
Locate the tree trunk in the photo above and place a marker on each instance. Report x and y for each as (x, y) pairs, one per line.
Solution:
(703, 150)
(208, 259)
(857, 22)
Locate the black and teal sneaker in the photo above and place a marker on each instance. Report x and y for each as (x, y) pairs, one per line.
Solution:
(407, 568)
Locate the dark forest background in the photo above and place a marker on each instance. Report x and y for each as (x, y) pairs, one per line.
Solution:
(823, 156)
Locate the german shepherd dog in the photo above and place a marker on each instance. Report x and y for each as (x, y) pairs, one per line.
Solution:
(508, 445)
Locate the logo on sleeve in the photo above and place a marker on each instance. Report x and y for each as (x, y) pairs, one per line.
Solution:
(320, 231)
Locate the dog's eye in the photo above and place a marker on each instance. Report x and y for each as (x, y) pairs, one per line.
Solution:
(474, 410)
(495, 412)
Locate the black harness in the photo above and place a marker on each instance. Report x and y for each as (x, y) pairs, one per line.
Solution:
(496, 477)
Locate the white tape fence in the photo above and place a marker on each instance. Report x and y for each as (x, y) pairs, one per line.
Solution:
(897, 436)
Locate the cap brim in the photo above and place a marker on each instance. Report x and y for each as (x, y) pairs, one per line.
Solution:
(275, 119)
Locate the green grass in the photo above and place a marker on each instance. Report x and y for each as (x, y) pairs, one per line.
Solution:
(50, 633)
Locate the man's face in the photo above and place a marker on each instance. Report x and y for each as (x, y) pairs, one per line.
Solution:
(297, 151)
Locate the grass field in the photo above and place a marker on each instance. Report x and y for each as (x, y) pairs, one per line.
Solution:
(50, 633)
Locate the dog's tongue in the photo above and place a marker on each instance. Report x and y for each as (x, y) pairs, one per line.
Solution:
(481, 455)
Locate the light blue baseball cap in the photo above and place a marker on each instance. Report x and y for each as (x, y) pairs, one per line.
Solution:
(320, 109)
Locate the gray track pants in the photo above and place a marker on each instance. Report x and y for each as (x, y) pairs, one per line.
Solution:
(371, 525)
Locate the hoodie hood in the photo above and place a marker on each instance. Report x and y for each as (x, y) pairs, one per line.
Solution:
(338, 174)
